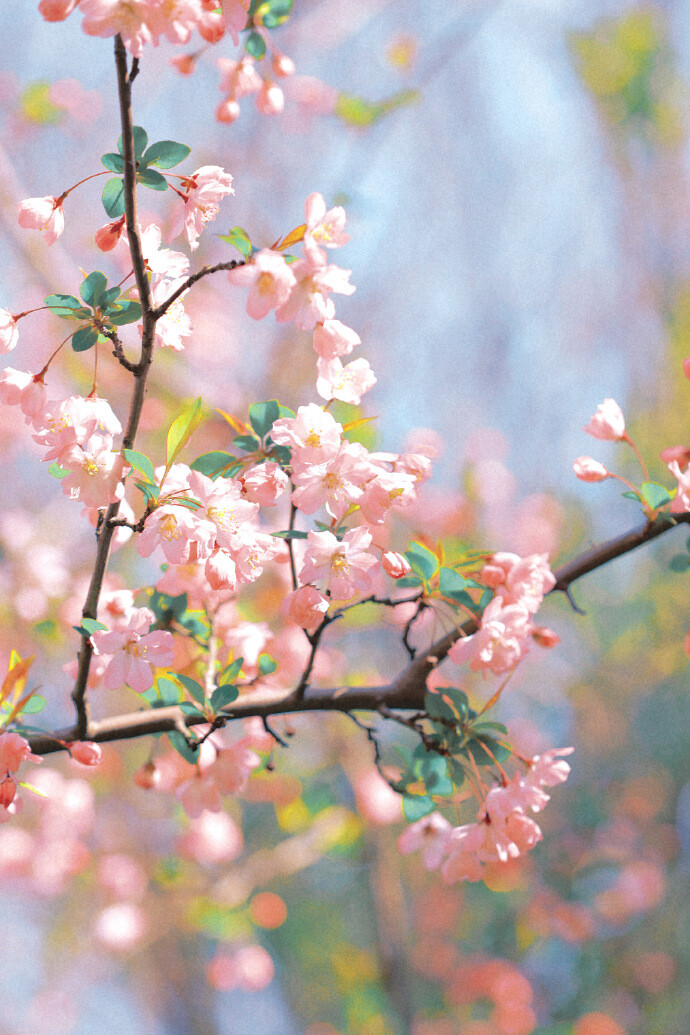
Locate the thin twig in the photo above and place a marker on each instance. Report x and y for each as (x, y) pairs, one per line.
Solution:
(186, 284)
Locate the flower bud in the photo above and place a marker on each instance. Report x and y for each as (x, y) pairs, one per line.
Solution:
(228, 110)
(282, 65)
(85, 752)
(270, 99)
(608, 422)
(146, 777)
(108, 235)
(545, 637)
(395, 565)
(8, 789)
(589, 470)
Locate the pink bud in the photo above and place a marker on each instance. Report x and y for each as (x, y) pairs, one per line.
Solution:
(681, 454)
(184, 63)
(395, 565)
(282, 65)
(86, 752)
(270, 99)
(9, 331)
(56, 10)
(608, 422)
(227, 111)
(589, 470)
(146, 777)
(8, 789)
(108, 235)
(545, 637)
(686, 367)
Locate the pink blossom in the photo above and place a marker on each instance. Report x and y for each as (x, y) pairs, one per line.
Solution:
(313, 435)
(395, 565)
(223, 505)
(9, 332)
(270, 99)
(306, 606)
(85, 752)
(212, 838)
(8, 791)
(239, 78)
(184, 63)
(681, 501)
(43, 214)
(162, 261)
(332, 338)
(309, 303)
(132, 651)
(234, 766)
(264, 484)
(175, 324)
(56, 10)
(281, 65)
(430, 833)
(108, 235)
(608, 422)
(589, 470)
(344, 565)
(547, 770)
(176, 530)
(205, 188)
(18, 388)
(14, 750)
(220, 570)
(235, 13)
(501, 641)
(337, 483)
(269, 278)
(465, 850)
(347, 383)
(95, 477)
(520, 580)
(386, 490)
(228, 111)
(324, 229)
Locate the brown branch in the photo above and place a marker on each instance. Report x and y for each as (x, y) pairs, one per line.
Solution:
(185, 286)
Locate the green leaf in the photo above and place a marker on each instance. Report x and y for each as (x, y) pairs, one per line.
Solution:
(93, 287)
(239, 239)
(192, 687)
(140, 463)
(654, 494)
(433, 770)
(113, 162)
(230, 674)
(91, 626)
(57, 471)
(151, 178)
(212, 464)
(190, 709)
(255, 45)
(629, 495)
(498, 726)
(34, 705)
(457, 771)
(109, 296)
(437, 707)
(182, 747)
(290, 534)
(150, 492)
(126, 312)
(279, 13)
(165, 607)
(84, 339)
(408, 582)
(262, 416)
(267, 665)
(453, 585)
(113, 198)
(222, 696)
(422, 561)
(140, 141)
(680, 562)
(64, 306)
(356, 111)
(181, 430)
(166, 154)
(475, 748)
(168, 691)
(246, 442)
(415, 806)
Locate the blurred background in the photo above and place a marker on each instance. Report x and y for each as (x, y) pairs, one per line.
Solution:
(515, 178)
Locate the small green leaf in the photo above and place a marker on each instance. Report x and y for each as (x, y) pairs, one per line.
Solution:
(279, 13)
(246, 442)
(149, 492)
(140, 141)
(109, 296)
(34, 705)
(453, 585)
(166, 154)
(151, 178)
(477, 749)
(113, 198)
(64, 306)
(262, 416)
(125, 312)
(57, 471)
(212, 464)
(355, 111)
(433, 770)
(84, 339)
(93, 287)
(91, 626)
(239, 239)
(230, 674)
(654, 494)
(140, 463)
(181, 431)
(415, 806)
(631, 496)
(182, 747)
(680, 562)
(190, 709)
(437, 707)
(266, 665)
(192, 687)
(290, 534)
(408, 582)
(255, 45)
(168, 691)
(113, 162)
(222, 696)
(422, 561)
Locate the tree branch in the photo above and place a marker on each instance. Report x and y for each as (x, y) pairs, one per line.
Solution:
(185, 286)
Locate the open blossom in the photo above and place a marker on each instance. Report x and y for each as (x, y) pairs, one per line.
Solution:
(345, 565)
(589, 470)
(608, 422)
(502, 640)
(306, 606)
(205, 189)
(43, 214)
(177, 530)
(239, 78)
(18, 388)
(314, 436)
(431, 834)
(681, 501)
(9, 332)
(264, 484)
(324, 229)
(269, 279)
(309, 302)
(346, 383)
(332, 338)
(95, 474)
(175, 324)
(164, 262)
(133, 650)
(548, 769)
(520, 580)
(337, 483)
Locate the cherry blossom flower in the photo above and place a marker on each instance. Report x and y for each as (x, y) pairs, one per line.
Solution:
(238, 78)
(345, 565)
(44, 214)
(56, 10)
(681, 501)
(95, 474)
(205, 188)
(175, 324)
(332, 338)
(337, 483)
(132, 651)
(347, 383)
(281, 65)
(547, 770)
(430, 833)
(313, 435)
(395, 565)
(309, 302)
(176, 529)
(85, 752)
(305, 606)
(608, 422)
(324, 229)
(18, 388)
(269, 278)
(164, 262)
(520, 580)
(264, 484)
(589, 470)
(9, 331)
(501, 641)
(270, 99)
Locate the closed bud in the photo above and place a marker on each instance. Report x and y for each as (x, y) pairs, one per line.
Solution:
(85, 752)
(395, 565)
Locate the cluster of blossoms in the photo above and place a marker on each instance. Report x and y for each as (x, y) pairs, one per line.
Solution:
(608, 424)
(13, 751)
(507, 630)
(503, 829)
(241, 78)
(130, 650)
